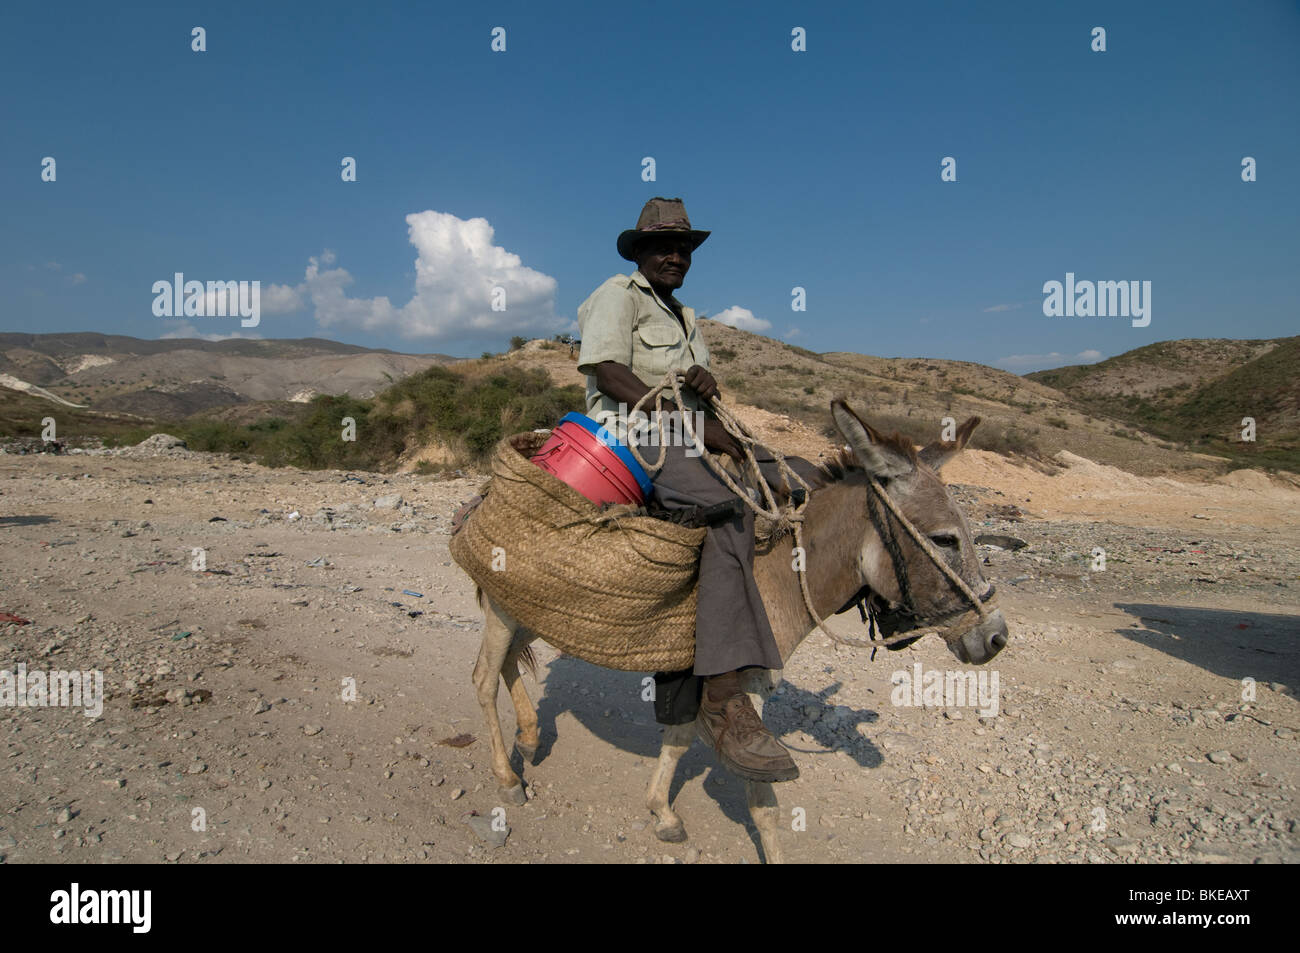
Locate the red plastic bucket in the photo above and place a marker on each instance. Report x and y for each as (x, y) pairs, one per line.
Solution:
(595, 467)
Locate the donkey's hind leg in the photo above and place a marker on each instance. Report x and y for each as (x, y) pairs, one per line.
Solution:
(526, 733)
(498, 633)
(763, 808)
(668, 826)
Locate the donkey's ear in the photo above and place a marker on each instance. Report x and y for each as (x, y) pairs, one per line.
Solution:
(883, 457)
(941, 451)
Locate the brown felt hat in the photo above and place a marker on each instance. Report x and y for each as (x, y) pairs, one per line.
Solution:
(659, 216)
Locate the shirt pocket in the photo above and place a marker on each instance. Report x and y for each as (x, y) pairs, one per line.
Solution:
(699, 350)
(657, 349)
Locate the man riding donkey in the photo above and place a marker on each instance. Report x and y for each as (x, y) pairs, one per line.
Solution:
(633, 332)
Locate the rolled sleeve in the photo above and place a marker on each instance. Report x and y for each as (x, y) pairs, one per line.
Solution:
(605, 321)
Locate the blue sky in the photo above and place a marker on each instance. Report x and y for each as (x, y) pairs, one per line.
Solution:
(817, 169)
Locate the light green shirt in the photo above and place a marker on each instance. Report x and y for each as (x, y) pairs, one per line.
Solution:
(624, 320)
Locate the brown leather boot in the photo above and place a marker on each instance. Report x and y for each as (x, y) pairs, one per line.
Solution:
(728, 722)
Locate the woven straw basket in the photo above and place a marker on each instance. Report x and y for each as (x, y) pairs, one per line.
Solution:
(607, 586)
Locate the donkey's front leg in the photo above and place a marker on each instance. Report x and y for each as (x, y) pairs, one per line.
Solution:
(763, 808)
(668, 826)
(497, 636)
(766, 814)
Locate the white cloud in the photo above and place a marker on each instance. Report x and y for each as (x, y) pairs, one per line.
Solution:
(794, 332)
(457, 273)
(742, 318)
(188, 330)
(1052, 359)
(77, 279)
(1002, 307)
(283, 299)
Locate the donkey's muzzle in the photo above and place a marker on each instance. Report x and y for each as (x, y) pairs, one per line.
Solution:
(983, 641)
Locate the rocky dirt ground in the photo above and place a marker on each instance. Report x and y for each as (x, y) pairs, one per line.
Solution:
(1122, 734)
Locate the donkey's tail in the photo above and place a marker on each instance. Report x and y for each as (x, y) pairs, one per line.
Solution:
(528, 661)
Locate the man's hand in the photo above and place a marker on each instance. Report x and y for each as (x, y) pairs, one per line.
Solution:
(702, 382)
(718, 440)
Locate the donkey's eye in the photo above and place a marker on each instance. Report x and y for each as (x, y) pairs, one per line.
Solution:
(945, 540)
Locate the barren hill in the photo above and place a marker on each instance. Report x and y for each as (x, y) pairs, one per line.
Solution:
(169, 379)
(1144, 412)
(785, 391)
(1199, 392)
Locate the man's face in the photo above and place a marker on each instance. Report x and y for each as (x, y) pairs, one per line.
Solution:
(664, 261)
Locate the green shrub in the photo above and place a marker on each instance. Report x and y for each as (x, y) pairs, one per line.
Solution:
(474, 413)
(1006, 440)
(466, 413)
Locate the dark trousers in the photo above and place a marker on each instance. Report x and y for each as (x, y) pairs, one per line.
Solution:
(731, 627)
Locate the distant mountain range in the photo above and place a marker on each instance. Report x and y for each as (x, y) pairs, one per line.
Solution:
(1199, 391)
(1168, 407)
(1035, 415)
(176, 378)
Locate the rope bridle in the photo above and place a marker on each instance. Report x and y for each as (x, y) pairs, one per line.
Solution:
(880, 507)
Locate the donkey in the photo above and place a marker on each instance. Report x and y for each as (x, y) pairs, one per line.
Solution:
(846, 555)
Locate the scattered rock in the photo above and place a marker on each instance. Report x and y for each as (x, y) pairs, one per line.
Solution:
(159, 442)
(483, 829)
(998, 541)
(1124, 846)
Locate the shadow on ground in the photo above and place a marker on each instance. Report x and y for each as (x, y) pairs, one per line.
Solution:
(1260, 645)
(833, 727)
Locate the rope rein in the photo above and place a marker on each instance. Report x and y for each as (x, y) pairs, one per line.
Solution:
(791, 515)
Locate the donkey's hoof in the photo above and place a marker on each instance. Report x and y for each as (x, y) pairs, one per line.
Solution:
(673, 833)
(526, 751)
(514, 795)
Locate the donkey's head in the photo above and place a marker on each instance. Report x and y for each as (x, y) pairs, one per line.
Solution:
(894, 566)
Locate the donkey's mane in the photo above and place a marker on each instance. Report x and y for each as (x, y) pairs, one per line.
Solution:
(835, 467)
(843, 461)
